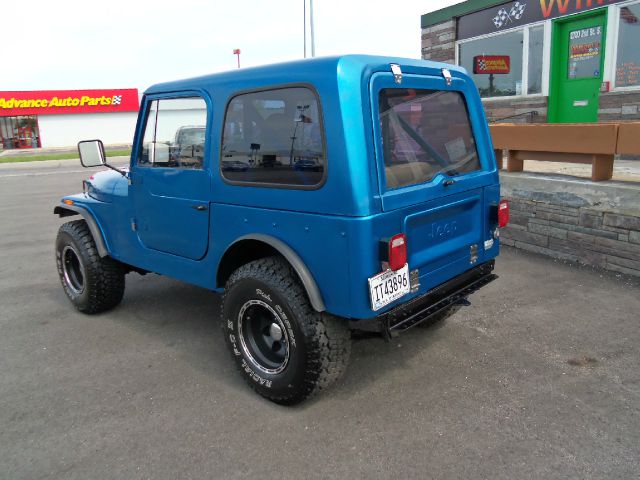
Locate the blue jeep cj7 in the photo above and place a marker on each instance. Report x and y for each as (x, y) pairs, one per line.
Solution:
(319, 196)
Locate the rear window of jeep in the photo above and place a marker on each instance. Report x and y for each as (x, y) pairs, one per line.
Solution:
(425, 132)
(274, 137)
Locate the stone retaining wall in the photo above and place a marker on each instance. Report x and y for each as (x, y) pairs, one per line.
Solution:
(575, 220)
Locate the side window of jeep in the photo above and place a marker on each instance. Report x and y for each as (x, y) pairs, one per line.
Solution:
(274, 137)
(175, 134)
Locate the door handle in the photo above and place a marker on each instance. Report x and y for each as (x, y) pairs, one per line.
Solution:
(448, 183)
(200, 208)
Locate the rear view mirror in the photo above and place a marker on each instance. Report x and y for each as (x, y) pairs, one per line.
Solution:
(91, 153)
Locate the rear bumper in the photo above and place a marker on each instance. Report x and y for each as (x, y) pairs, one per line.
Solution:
(420, 309)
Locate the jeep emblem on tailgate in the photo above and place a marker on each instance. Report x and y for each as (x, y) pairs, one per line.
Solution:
(443, 229)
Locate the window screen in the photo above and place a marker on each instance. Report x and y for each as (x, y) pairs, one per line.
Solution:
(425, 132)
(175, 134)
(274, 137)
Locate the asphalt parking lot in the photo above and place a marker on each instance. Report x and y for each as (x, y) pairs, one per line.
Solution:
(539, 378)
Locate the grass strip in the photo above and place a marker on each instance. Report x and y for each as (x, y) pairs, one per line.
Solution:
(59, 156)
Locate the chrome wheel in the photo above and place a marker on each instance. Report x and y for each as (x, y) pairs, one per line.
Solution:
(263, 337)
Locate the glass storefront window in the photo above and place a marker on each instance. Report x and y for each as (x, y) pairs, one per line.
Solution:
(628, 61)
(536, 44)
(498, 84)
(511, 45)
(19, 132)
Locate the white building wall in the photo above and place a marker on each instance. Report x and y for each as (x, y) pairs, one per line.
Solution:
(68, 130)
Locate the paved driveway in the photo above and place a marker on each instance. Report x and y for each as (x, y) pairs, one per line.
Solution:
(540, 378)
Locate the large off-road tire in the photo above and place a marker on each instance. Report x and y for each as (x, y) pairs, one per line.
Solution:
(284, 349)
(93, 284)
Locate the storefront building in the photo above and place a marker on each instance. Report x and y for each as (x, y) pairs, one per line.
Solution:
(61, 118)
(564, 60)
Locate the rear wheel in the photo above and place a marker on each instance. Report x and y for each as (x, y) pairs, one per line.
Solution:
(284, 349)
(93, 284)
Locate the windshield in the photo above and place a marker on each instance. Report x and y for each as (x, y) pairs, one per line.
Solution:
(425, 132)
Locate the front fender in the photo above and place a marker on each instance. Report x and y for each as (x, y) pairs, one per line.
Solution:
(65, 210)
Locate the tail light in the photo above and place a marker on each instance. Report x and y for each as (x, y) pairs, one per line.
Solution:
(503, 213)
(397, 251)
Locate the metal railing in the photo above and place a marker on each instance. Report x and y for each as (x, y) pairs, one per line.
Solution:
(531, 113)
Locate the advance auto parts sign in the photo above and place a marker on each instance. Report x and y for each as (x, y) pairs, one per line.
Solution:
(514, 14)
(61, 102)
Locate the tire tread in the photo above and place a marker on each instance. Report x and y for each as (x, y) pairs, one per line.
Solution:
(327, 338)
(104, 278)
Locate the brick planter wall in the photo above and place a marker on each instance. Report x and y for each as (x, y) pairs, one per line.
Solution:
(613, 107)
(562, 219)
(617, 106)
(438, 42)
(510, 106)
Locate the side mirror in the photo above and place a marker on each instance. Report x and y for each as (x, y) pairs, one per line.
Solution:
(91, 153)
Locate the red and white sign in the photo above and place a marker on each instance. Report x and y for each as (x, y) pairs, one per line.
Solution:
(487, 64)
(61, 102)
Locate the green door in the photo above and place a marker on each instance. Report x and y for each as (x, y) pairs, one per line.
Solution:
(576, 68)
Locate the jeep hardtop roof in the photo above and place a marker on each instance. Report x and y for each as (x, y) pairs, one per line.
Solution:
(319, 68)
(351, 186)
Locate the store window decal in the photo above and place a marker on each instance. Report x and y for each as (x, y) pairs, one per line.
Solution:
(628, 61)
(585, 48)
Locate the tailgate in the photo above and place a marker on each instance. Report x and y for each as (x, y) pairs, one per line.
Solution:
(434, 162)
(444, 232)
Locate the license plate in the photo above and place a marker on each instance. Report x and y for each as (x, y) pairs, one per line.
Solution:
(388, 286)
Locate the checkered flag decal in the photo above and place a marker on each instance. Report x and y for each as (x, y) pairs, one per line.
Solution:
(517, 10)
(501, 18)
(482, 65)
(117, 99)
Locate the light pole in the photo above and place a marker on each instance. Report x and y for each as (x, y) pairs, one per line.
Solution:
(311, 27)
(236, 51)
(313, 40)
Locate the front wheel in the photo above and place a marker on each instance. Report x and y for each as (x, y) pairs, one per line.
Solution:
(93, 284)
(284, 349)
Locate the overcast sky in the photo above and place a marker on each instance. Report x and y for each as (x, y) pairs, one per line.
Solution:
(75, 44)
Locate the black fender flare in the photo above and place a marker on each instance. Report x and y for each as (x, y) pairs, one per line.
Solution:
(64, 210)
(308, 282)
